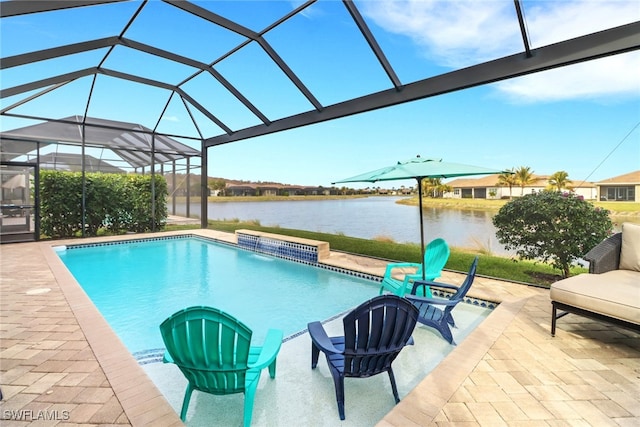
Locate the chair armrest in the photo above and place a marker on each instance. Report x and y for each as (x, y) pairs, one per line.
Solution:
(269, 350)
(393, 265)
(415, 299)
(431, 284)
(321, 339)
(605, 256)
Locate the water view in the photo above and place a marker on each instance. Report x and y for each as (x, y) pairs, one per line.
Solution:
(367, 218)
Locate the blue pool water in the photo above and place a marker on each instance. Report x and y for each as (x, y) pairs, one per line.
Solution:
(136, 285)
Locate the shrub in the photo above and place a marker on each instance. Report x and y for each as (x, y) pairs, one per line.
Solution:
(551, 227)
(113, 203)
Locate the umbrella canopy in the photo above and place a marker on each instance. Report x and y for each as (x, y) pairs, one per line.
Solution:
(420, 168)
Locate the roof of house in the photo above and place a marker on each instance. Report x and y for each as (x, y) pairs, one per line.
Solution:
(627, 178)
(492, 181)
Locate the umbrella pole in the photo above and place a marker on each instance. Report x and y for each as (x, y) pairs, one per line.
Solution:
(421, 226)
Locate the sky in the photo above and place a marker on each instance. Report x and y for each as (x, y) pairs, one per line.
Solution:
(583, 119)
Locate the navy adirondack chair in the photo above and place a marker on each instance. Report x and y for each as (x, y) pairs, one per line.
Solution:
(436, 312)
(374, 334)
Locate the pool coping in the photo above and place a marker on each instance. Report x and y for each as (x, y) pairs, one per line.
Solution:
(143, 403)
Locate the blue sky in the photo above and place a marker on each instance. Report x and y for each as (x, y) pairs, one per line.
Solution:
(583, 119)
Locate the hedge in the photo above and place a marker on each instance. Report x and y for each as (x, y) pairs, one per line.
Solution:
(114, 202)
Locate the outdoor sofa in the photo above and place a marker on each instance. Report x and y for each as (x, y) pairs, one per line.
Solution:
(611, 290)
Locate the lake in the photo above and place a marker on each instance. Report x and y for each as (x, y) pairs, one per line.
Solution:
(367, 218)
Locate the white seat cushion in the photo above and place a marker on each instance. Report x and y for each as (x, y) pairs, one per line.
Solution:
(614, 293)
(630, 250)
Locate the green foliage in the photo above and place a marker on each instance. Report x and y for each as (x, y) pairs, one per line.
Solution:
(551, 227)
(507, 179)
(114, 203)
(559, 180)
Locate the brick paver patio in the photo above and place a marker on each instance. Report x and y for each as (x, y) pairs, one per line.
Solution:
(60, 360)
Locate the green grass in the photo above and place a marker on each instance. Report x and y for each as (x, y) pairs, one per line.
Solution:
(616, 208)
(489, 265)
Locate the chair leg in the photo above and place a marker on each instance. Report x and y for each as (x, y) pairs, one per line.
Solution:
(315, 353)
(392, 378)
(249, 395)
(554, 312)
(450, 320)
(338, 381)
(185, 402)
(272, 369)
(445, 330)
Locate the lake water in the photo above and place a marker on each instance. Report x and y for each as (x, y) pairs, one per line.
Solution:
(367, 218)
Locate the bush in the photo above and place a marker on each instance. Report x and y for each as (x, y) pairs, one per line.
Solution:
(551, 227)
(114, 203)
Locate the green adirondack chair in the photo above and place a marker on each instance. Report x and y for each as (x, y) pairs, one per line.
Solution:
(213, 350)
(436, 255)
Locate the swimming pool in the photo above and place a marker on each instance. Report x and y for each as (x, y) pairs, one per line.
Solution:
(137, 284)
(117, 272)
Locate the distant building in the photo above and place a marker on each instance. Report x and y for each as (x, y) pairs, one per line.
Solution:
(487, 187)
(241, 190)
(620, 188)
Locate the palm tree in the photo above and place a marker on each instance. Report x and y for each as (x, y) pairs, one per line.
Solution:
(524, 176)
(507, 179)
(431, 186)
(559, 180)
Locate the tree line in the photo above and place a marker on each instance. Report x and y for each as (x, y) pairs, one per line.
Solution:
(513, 177)
(523, 176)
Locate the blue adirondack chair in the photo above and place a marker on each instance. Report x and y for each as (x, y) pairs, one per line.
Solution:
(436, 312)
(213, 350)
(436, 255)
(374, 334)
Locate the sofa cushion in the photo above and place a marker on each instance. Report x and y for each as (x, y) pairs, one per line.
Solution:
(614, 293)
(630, 251)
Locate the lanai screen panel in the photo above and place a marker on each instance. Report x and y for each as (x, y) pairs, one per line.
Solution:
(222, 71)
(133, 143)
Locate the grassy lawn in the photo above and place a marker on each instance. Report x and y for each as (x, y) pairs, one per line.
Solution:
(489, 265)
(616, 208)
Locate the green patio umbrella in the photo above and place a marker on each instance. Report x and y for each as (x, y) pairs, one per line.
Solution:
(420, 168)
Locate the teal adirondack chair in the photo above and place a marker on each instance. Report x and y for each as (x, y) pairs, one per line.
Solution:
(436, 255)
(213, 351)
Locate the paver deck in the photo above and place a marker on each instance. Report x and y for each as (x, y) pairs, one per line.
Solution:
(60, 363)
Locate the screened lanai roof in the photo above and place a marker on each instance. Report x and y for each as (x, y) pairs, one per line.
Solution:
(131, 142)
(223, 71)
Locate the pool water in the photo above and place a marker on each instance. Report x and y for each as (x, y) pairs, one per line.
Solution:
(136, 285)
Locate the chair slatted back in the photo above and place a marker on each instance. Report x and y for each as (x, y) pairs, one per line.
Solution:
(210, 347)
(436, 255)
(466, 285)
(374, 334)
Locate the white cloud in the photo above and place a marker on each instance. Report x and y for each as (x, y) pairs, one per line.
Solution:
(456, 33)
(170, 118)
(615, 76)
(465, 32)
